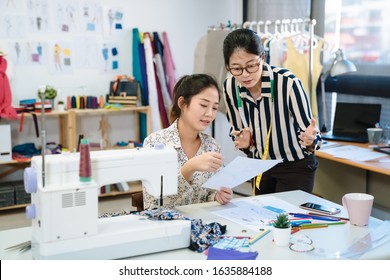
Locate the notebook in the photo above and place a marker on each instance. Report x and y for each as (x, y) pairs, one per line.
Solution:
(351, 121)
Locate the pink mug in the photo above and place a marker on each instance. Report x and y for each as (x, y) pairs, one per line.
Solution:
(359, 206)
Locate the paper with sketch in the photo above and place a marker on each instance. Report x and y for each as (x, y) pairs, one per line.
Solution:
(238, 171)
(257, 211)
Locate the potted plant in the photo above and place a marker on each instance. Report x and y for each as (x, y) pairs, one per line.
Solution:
(282, 230)
(50, 93)
(60, 106)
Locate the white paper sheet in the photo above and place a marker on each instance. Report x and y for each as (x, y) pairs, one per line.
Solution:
(238, 171)
(257, 212)
(352, 152)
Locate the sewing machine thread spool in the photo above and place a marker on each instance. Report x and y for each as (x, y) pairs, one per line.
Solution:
(85, 172)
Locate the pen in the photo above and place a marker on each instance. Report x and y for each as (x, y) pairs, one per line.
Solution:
(317, 214)
(323, 218)
(258, 236)
(299, 222)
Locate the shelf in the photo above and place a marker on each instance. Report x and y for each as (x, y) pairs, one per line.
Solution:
(134, 188)
(74, 113)
(62, 119)
(68, 135)
(13, 167)
(67, 121)
(117, 193)
(47, 114)
(13, 207)
(140, 109)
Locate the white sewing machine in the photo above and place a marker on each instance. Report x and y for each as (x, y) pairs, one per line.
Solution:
(64, 211)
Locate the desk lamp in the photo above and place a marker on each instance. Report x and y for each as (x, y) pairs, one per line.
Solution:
(339, 66)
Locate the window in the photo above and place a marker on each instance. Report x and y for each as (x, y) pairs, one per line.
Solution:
(361, 29)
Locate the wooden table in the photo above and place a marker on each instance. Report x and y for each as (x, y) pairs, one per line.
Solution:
(337, 176)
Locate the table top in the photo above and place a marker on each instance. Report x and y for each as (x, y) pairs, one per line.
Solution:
(327, 241)
(381, 165)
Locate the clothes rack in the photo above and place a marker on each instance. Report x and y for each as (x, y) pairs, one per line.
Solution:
(292, 26)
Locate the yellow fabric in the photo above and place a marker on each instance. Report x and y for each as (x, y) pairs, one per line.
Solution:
(298, 63)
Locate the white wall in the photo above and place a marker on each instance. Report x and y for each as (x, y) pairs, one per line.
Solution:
(185, 22)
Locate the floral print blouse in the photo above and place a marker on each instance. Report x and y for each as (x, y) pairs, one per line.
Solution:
(188, 192)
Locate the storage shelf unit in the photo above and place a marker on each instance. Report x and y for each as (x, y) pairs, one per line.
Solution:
(68, 138)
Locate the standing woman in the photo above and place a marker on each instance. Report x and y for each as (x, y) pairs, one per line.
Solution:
(196, 100)
(269, 115)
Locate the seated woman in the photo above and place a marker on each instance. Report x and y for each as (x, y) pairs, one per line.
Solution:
(196, 100)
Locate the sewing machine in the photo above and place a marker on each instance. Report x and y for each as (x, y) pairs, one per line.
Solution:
(64, 211)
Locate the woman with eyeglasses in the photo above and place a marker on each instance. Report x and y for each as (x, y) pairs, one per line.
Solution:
(269, 115)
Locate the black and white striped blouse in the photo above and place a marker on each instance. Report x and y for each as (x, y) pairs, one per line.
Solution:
(289, 113)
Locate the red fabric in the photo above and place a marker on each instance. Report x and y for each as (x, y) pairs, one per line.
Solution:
(6, 110)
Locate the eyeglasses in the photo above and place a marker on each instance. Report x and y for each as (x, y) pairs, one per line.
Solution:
(251, 68)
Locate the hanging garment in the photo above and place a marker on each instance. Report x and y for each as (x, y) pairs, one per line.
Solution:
(160, 99)
(214, 61)
(141, 49)
(166, 98)
(6, 109)
(200, 55)
(169, 65)
(277, 51)
(136, 58)
(138, 61)
(158, 46)
(298, 63)
(152, 85)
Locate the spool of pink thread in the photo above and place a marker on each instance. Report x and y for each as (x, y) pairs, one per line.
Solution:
(85, 171)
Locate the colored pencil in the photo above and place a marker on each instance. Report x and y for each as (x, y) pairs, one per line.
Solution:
(294, 230)
(319, 225)
(310, 226)
(337, 223)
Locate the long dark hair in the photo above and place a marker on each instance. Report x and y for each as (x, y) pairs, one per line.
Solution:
(188, 86)
(245, 39)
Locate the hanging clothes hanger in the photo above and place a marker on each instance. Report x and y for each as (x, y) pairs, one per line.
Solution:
(267, 35)
(258, 30)
(301, 38)
(250, 25)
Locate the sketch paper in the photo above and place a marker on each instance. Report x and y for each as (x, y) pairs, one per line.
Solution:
(238, 171)
(256, 212)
